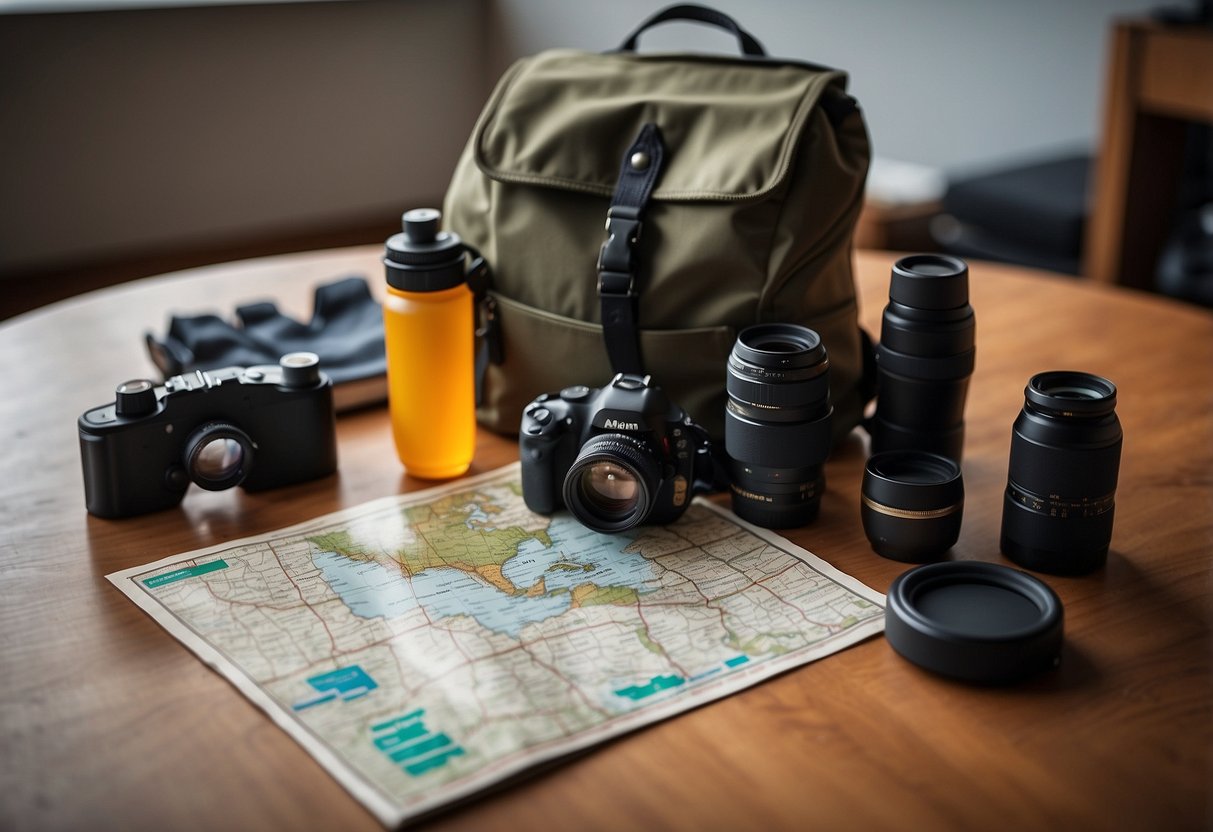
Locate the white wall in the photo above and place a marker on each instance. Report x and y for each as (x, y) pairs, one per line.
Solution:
(954, 84)
(139, 131)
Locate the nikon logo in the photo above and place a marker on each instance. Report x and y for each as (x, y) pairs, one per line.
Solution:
(616, 424)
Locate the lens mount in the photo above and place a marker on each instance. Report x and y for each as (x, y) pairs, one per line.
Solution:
(218, 456)
(611, 485)
(1071, 393)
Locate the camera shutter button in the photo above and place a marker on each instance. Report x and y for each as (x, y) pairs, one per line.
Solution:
(300, 369)
(136, 397)
(542, 416)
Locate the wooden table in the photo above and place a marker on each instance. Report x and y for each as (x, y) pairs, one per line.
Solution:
(109, 722)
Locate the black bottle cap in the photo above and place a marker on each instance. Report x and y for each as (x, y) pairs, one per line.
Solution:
(930, 281)
(978, 622)
(421, 258)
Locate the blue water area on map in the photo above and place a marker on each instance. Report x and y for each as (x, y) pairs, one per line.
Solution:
(580, 556)
(577, 556)
(372, 590)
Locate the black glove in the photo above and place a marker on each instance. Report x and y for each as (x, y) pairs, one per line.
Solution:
(346, 331)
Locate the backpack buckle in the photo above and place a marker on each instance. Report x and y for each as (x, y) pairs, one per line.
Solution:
(618, 252)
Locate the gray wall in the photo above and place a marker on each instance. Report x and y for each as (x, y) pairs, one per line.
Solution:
(953, 84)
(138, 131)
(134, 131)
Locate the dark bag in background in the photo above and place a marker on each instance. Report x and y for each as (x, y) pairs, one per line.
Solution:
(741, 195)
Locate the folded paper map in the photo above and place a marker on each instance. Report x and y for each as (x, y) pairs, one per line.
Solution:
(426, 646)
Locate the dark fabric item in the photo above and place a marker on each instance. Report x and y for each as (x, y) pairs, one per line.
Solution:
(346, 331)
(1040, 207)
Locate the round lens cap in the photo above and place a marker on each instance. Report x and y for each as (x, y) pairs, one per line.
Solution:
(930, 281)
(978, 622)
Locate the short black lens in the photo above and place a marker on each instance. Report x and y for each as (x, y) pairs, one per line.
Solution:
(218, 456)
(925, 357)
(777, 424)
(611, 485)
(912, 504)
(1061, 480)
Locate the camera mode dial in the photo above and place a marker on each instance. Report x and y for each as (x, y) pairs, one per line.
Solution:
(134, 398)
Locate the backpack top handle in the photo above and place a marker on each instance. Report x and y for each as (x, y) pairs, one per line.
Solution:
(750, 46)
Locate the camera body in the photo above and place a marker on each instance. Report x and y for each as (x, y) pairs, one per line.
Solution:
(258, 427)
(615, 456)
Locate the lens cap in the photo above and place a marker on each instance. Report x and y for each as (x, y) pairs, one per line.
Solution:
(930, 281)
(977, 622)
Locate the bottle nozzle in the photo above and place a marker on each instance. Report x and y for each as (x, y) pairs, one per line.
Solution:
(421, 224)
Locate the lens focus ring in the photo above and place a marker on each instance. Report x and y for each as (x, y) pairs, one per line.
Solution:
(770, 445)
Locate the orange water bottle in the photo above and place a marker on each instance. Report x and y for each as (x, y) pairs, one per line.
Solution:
(428, 331)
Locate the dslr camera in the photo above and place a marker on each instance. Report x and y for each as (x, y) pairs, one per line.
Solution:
(616, 456)
(259, 428)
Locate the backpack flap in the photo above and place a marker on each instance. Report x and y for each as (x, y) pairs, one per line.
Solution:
(760, 185)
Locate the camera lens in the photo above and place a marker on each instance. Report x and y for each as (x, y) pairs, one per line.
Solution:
(777, 424)
(218, 456)
(912, 504)
(1061, 481)
(925, 357)
(611, 484)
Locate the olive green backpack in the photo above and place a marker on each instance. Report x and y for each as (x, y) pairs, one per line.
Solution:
(728, 186)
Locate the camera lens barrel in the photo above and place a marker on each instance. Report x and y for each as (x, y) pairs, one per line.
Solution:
(777, 424)
(925, 357)
(218, 456)
(1061, 479)
(611, 485)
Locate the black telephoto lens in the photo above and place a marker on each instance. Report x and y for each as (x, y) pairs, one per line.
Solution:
(777, 424)
(925, 357)
(1061, 483)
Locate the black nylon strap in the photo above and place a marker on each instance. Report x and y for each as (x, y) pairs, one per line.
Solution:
(617, 267)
